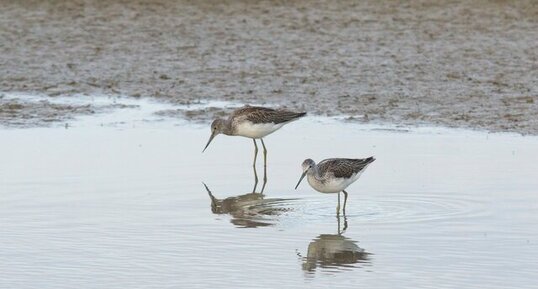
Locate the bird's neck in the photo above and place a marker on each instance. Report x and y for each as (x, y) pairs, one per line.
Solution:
(227, 128)
(314, 172)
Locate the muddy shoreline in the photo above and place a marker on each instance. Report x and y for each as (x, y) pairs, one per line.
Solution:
(459, 64)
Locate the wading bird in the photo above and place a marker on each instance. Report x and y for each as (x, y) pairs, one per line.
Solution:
(255, 123)
(334, 175)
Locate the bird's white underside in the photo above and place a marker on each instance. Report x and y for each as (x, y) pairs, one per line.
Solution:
(256, 130)
(332, 185)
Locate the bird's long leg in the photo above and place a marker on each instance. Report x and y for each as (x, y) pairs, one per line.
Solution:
(338, 206)
(254, 166)
(345, 201)
(345, 224)
(264, 165)
(338, 218)
(263, 186)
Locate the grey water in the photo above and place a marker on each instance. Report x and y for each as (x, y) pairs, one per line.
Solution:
(118, 201)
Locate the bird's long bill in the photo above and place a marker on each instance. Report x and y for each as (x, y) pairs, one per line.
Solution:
(213, 134)
(302, 177)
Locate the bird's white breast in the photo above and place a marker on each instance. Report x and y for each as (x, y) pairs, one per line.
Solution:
(256, 130)
(332, 185)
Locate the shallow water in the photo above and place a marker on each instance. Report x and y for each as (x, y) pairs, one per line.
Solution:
(117, 201)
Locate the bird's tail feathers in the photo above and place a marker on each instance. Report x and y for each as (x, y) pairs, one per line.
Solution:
(369, 160)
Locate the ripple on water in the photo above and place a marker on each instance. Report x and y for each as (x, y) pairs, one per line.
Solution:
(401, 208)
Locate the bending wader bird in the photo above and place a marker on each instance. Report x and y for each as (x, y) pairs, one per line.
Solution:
(334, 175)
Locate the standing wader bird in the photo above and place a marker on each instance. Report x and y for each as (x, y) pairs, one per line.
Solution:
(255, 123)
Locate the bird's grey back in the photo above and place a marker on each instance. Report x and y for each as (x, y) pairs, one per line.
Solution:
(343, 168)
(257, 114)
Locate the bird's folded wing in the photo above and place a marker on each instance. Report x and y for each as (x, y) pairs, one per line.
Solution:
(266, 115)
(343, 168)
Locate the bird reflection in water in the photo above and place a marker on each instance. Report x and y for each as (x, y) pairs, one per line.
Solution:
(334, 251)
(250, 210)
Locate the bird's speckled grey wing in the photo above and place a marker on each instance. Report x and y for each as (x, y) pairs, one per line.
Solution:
(343, 168)
(257, 114)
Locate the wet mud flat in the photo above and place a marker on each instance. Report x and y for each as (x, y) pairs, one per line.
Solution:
(127, 200)
(24, 111)
(451, 63)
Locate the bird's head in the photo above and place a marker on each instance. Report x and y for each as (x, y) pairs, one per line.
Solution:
(217, 126)
(307, 165)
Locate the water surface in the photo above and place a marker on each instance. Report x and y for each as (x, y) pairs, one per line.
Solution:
(117, 201)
